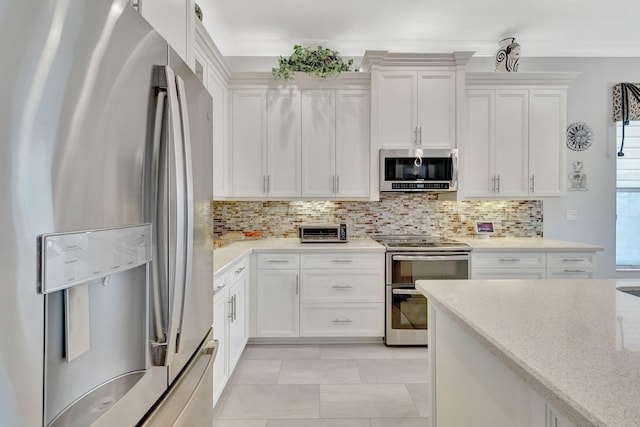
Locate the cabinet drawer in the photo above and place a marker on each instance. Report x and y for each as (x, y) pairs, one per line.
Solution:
(343, 286)
(238, 269)
(342, 320)
(569, 273)
(570, 260)
(278, 261)
(220, 282)
(342, 260)
(508, 260)
(509, 273)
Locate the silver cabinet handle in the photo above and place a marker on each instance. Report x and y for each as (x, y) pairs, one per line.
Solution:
(493, 184)
(574, 271)
(234, 307)
(337, 184)
(347, 320)
(268, 184)
(573, 260)
(278, 261)
(533, 183)
(415, 135)
(509, 259)
(333, 184)
(498, 181)
(230, 302)
(297, 284)
(264, 184)
(420, 133)
(342, 287)
(240, 270)
(342, 260)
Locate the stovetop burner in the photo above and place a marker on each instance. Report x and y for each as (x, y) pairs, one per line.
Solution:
(418, 242)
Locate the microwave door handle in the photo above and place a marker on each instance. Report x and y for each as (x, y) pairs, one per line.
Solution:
(430, 257)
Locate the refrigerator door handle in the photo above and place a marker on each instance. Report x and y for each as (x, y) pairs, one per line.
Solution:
(177, 208)
(153, 214)
(187, 171)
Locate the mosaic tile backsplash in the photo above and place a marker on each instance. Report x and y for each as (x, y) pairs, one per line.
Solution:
(395, 213)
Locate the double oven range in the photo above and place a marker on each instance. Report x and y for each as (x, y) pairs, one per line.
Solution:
(410, 258)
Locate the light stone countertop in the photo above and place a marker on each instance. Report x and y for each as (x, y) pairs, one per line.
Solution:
(576, 342)
(509, 244)
(227, 255)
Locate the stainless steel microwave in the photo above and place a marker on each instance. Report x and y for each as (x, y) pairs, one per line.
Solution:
(414, 170)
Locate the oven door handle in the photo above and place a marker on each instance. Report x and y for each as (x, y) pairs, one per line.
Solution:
(406, 292)
(430, 257)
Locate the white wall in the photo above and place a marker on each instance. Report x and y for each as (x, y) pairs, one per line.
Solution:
(590, 101)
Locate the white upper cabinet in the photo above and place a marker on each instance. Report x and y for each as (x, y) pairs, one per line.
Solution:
(514, 146)
(318, 142)
(309, 140)
(352, 143)
(418, 108)
(249, 142)
(174, 20)
(210, 67)
(283, 143)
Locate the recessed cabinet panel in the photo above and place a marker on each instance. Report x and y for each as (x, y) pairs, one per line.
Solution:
(284, 143)
(511, 152)
(352, 143)
(437, 109)
(318, 142)
(479, 153)
(249, 147)
(398, 108)
(547, 126)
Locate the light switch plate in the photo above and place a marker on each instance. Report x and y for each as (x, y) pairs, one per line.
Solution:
(572, 215)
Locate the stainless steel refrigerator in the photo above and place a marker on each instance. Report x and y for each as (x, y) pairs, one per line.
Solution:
(106, 262)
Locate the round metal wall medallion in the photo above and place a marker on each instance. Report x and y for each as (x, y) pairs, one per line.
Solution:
(579, 136)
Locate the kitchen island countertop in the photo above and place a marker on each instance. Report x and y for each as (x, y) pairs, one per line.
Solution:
(575, 342)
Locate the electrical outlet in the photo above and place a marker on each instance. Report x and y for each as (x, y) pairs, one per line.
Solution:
(572, 215)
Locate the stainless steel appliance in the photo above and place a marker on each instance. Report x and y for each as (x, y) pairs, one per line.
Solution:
(416, 170)
(410, 258)
(105, 249)
(323, 233)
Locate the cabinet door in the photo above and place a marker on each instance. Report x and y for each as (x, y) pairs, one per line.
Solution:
(277, 303)
(220, 333)
(478, 158)
(220, 97)
(318, 142)
(547, 126)
(352, 143)
(283, 141)
(237, 319)
(398, 109)
(511, 142)
(437, 109)
(174, 21)
(249, 142)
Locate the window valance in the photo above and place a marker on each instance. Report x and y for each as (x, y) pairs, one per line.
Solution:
(626, 102)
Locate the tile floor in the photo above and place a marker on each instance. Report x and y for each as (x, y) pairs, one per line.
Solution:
(328, 385)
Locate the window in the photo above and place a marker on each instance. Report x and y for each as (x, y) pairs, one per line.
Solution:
(628, 197)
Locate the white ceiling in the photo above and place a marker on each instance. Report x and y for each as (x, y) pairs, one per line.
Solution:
(542, 27)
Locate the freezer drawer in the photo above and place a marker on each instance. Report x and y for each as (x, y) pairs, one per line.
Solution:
(189, 401)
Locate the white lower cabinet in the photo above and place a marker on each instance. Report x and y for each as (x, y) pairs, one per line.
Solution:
(325, 294)
(342, 319)
(532, 265)
(278, 288)
(230, 320)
